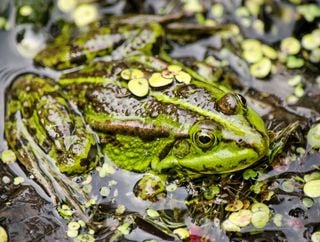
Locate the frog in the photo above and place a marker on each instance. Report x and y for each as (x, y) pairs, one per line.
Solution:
(195, 125)
(49, 138)
(190, 125)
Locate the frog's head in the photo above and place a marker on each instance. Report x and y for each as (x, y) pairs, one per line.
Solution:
(228, 139)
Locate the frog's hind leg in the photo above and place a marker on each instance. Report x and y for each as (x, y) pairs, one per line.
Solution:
(58, 186)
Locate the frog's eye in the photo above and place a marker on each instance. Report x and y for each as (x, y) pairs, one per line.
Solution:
(231, 103)
(205, 134)
(204, 139)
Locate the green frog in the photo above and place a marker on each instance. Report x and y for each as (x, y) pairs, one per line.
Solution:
(145, 112)
(49, 137)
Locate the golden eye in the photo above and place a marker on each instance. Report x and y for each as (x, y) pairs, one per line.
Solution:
(204, 140)
(205, 134)
(231, 103)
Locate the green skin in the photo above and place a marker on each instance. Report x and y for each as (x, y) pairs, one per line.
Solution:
(198, 128)
(140, 133)
(48, 138)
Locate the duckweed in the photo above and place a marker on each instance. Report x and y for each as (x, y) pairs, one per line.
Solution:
(85, 14)
(18, 180)
(310, 41)
(124, 228)
(294, 62)
(295, 80)
(227, 225)
(25, 10)
(85, 238)
(171, 187)
(287, 186)
(3, 235)
(309, 11)
(211, 192)
(217, 10)
(167, 74)
(269, 52)
(72, 233)
(73, 225)
(193, 6)
(104, 191)
(182, 233)
(261, 69)
(8, 156)
(67, 6)
(259, 219)
(251, 44)
(315, 55)
(153, 213)
(248, 174)
(299, 91)
(311, 188)
(312, 176)
(120, 209)
(174, 68)
(128, 74)
(307, 202)
(241, 218)
(157, 80)
(235, 206)
(277, 219)
(315, 237)
(183, 77)
(252, 56)
(291, 99)
(87, 188)
(290, 46)
(258, 25)
(65, 211)
(6, 179)
(138, 87)
(260, 207)
(313, 137)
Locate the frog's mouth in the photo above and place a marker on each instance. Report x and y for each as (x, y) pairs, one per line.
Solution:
(227, 159)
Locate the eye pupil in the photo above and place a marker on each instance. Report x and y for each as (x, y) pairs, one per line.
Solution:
(204, 139)
(243, 100)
